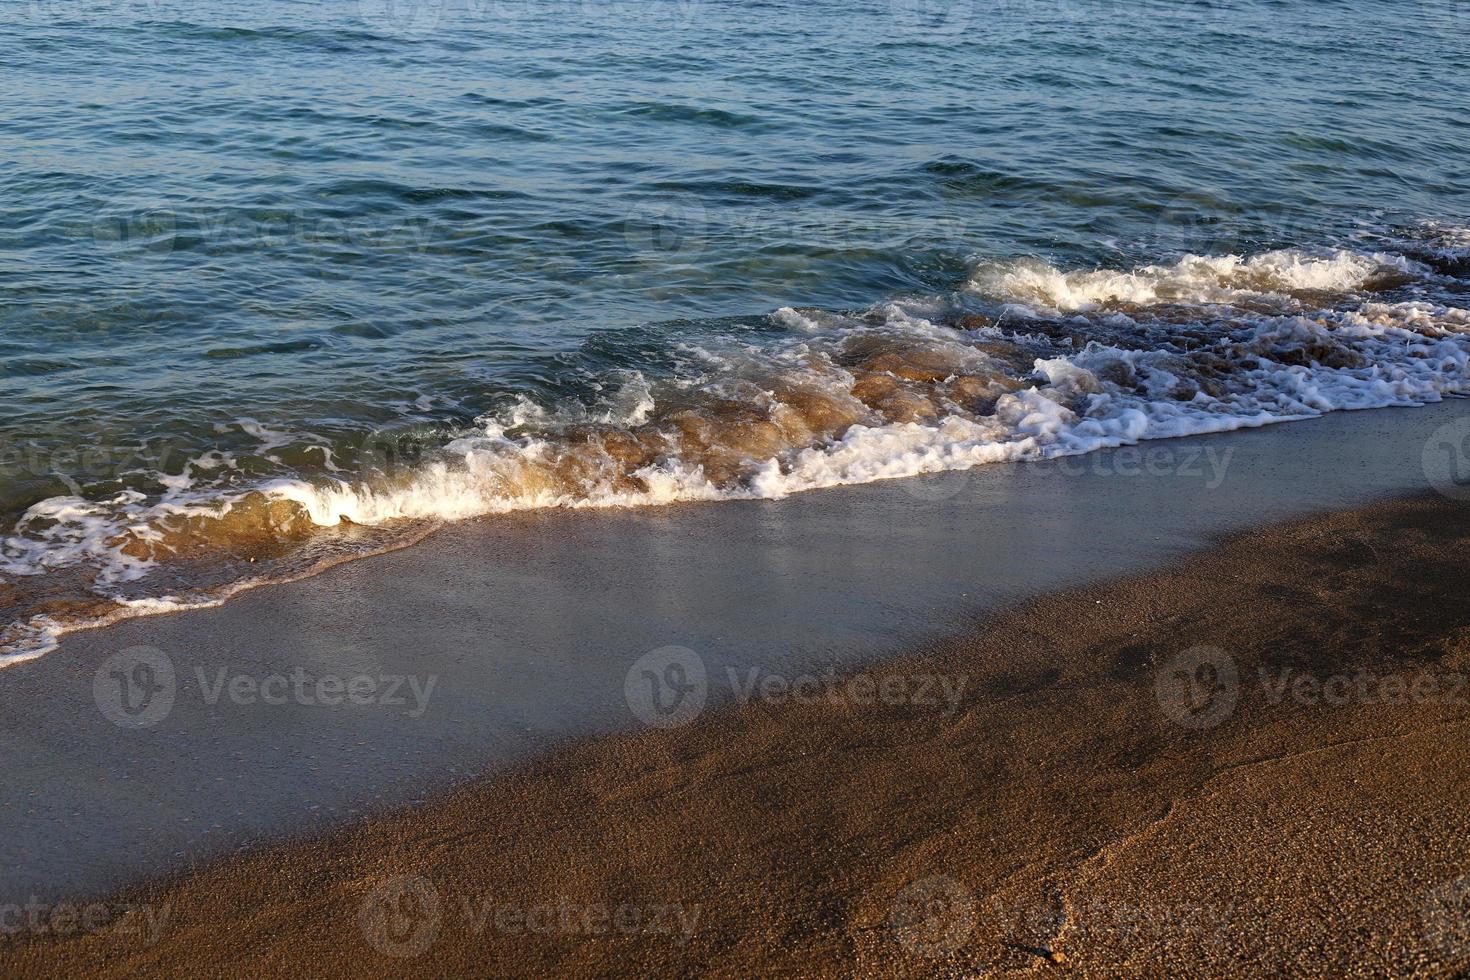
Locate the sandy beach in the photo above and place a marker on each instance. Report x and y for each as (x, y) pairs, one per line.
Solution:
(191, 737)
(1250, 762)
(676, 488)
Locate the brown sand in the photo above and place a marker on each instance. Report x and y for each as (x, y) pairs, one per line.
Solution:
(1077, 812)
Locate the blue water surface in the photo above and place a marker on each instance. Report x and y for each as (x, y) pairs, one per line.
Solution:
(331, 216)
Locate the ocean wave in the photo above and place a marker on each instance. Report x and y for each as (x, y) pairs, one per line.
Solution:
(1281, 279)
(1033, 361)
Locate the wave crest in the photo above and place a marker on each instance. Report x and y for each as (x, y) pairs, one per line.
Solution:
(1036, 362)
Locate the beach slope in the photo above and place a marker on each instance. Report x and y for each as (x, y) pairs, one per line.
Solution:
(1253, 760)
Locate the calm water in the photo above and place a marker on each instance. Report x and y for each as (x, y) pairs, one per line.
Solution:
(306, 246)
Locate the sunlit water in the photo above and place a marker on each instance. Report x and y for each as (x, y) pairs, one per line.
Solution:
(282, 283)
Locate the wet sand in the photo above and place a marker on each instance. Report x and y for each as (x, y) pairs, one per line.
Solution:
(1251, 761)
(497, 641)
(498, 649)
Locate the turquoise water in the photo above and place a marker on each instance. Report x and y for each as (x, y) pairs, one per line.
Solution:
(263, 244)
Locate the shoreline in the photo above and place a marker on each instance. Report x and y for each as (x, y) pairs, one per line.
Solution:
(677, 489)
(850, 398)
(50, 631)
(511, 638)
(1077, 807)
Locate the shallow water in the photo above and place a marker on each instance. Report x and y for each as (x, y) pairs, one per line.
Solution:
(272, 265)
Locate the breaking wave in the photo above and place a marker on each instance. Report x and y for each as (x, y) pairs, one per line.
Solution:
(1027, 361)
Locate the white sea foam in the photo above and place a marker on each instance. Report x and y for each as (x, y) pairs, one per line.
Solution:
(1070, 410)
(1274, 277)
(1276, 337)
(1074, 411)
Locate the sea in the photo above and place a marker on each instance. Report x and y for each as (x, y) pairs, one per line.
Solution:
(286, 283)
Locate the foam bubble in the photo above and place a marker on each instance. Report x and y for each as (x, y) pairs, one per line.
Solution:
(1273, 277)
(1068, 362)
